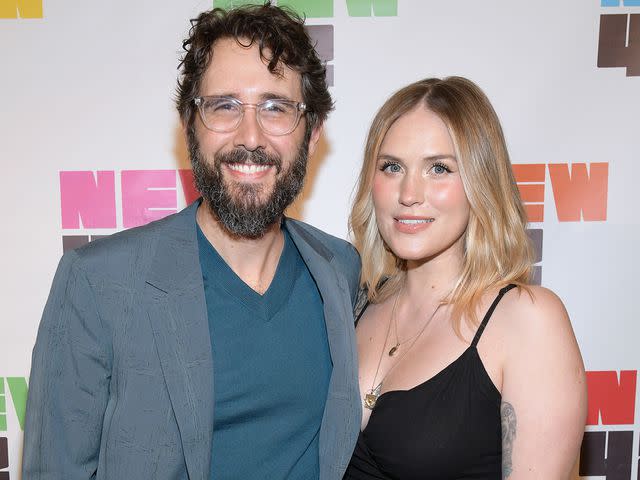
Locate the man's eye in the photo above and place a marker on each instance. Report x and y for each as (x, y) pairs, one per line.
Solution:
(276, 107)
(221, 106)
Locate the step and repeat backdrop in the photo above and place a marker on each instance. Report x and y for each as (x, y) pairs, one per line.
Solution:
(90, 144)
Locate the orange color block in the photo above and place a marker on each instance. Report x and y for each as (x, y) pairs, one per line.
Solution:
(529, 172)
(535, 213)
(532, 193)
(580, 193)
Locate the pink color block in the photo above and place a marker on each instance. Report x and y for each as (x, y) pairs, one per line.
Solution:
(138, 199)
(88, 199)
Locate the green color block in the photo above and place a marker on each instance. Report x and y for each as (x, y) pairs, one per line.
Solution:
(3, 423)
(307, 8)
(18, 388)
(3, 404)
(227, 4)
(1, 385)
(379, 8)
(310, 8)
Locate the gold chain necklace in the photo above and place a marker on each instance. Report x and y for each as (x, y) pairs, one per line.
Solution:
(371, 397)
(393, 350)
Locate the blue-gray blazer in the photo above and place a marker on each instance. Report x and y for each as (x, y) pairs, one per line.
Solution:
(121, 382)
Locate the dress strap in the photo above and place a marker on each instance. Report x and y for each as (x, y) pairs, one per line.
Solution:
(359, 312)
(487, 316)
(362, 302)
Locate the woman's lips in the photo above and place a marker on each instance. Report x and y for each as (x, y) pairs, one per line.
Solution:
(412, 224)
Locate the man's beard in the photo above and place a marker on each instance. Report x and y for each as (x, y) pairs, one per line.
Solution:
(238, 206)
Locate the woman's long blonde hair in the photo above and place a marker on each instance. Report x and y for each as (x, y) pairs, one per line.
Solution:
(497, 249)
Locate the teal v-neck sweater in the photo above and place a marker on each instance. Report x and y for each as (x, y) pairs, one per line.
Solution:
(271, 366)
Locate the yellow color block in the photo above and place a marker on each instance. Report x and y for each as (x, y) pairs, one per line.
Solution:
(21, 9)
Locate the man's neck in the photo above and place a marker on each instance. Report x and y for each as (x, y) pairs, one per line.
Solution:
(253, 260)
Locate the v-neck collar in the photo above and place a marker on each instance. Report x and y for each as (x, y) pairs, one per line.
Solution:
(216, 270)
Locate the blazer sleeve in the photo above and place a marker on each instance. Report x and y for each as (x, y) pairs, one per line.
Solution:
(69, 381)
(355, 266)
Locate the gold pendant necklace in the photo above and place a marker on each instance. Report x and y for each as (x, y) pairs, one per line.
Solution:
(393, 350)
(371, 397)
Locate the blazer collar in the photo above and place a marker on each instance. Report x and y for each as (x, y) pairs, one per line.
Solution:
(177, 264)
(341, 420)
(177, 312)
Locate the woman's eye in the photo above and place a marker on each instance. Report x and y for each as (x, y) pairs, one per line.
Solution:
(390, 167)
(440, 169)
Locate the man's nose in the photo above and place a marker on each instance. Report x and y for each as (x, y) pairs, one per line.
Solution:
(249, 135)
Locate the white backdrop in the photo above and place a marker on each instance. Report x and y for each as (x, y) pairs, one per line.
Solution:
(88, 86)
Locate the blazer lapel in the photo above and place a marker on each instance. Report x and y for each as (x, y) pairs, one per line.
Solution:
(178, 316)
(341, 420)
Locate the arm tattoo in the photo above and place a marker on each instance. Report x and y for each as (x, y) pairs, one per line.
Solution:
(509, 423)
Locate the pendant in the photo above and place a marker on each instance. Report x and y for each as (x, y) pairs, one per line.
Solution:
(394, 349)
(371, 398)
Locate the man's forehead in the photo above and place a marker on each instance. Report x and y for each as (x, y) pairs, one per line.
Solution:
(239, 67)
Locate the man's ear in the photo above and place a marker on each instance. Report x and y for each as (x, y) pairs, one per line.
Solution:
(183, 129)
(185, 125)
(313, 140)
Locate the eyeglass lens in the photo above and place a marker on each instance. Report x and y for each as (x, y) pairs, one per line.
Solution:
(276, 117)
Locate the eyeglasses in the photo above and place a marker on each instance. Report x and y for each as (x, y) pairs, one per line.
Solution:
(275, 117)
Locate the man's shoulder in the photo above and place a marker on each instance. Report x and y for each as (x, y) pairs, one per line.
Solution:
(343, 256)
(338, 252)
(129, 247)
(333, 246)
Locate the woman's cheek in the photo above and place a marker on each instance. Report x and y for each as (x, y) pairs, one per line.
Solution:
(381, 190)
(443, 195)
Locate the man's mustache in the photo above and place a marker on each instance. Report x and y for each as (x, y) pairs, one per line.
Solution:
(255, 157)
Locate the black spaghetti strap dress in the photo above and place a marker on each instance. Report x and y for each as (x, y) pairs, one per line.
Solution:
(448, 427)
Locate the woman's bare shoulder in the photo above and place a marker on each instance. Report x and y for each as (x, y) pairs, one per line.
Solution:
(532, 310)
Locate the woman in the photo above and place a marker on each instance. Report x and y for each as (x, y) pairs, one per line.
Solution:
(466, 370)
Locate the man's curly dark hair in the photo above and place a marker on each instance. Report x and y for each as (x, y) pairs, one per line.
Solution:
(282, 39)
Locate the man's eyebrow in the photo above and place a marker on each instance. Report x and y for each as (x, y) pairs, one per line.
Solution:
(223, 95)
(263, 97)
(273, 96)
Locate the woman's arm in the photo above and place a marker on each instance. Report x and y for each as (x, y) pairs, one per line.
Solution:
(544, 397)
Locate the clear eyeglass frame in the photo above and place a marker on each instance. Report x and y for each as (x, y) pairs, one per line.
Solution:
(286, 124)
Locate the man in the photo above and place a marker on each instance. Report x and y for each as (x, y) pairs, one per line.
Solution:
(216, 343)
